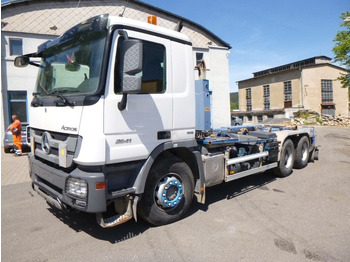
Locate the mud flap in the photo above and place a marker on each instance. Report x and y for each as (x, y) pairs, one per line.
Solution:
(314, 154)
(199, 192)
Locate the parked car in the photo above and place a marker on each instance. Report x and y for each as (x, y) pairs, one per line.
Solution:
(236, 121)
(8, 140)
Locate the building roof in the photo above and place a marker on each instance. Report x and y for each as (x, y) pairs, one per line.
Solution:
(53, 17)
(309, 62)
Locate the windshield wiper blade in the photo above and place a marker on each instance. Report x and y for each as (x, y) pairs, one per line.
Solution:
(65, 100)
(62, 90)
(58, 91)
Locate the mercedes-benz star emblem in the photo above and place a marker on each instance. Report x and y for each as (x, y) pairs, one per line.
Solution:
(46, 142)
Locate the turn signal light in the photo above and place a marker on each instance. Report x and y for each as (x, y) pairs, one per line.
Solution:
(101, 185)
(152, 20)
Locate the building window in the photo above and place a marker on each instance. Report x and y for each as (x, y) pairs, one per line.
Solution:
(327, 91)
(287, 94)
(267, 97)
(199, 57)
(249, 99)
(17, 101)
(260, 118)
(250, 118)
(16, 47)
(201, 66)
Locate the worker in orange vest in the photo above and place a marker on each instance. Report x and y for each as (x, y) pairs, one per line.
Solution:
(16, 128)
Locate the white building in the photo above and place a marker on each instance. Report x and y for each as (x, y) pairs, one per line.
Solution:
(25, 24)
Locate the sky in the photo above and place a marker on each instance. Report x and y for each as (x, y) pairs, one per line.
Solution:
(265, 33)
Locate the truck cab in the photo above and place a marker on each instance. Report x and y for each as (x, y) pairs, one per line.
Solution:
(111, 94)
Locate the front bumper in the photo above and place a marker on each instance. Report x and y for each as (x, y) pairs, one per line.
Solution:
(50, 183)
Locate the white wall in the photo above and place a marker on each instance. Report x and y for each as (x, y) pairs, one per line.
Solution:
(219, 82)
(17, 79)
(217, 72)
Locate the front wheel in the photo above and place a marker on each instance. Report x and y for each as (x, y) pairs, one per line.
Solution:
(285, 166)
(168, 192)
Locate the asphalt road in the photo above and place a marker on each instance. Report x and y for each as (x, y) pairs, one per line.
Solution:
(304, 217)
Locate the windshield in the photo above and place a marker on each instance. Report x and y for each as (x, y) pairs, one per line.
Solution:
(72, 67)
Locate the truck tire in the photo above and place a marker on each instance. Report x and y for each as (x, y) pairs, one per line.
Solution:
(302, 153)
(285, 165)
(316, 154)
(168, 192)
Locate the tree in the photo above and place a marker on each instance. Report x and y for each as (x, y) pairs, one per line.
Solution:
(234, 105)
(341, 49)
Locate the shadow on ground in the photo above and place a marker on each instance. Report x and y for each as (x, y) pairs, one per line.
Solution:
(83, 222)
(228, 191)
(87, 223)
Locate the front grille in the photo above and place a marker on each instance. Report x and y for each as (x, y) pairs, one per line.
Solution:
(54, 135)
(54, 144)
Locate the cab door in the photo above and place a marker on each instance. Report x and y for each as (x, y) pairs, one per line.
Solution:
(147, 121)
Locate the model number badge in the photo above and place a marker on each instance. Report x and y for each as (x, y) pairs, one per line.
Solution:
(123, 141)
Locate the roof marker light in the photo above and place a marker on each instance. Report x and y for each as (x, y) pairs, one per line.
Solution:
(152, 19)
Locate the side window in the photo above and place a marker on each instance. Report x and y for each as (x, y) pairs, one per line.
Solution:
(153, 69)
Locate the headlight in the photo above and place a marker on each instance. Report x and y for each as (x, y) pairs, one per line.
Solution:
(77, 187)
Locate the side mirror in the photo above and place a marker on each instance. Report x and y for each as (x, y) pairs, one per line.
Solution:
(21, 61)
(131, 64)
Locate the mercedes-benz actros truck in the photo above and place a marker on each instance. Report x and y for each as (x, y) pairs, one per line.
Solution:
(120, 128)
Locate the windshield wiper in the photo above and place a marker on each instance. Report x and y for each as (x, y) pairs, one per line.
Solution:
(65, 100)
(62, 90)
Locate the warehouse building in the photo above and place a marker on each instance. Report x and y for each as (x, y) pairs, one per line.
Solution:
(309, 84)
(25, 24)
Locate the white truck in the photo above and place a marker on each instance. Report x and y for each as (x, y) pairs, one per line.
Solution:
(117, 128)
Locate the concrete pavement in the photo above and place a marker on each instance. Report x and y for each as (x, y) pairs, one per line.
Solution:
(14, 169)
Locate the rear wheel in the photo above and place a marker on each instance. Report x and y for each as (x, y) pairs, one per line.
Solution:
(302, 153)
(285, 166)
(168, 192)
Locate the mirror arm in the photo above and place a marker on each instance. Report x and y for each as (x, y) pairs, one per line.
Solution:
(34, 64)
(123, 102)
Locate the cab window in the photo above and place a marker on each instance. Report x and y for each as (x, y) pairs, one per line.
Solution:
(153, 72)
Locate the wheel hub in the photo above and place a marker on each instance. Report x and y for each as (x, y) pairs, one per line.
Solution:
(169, 192)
